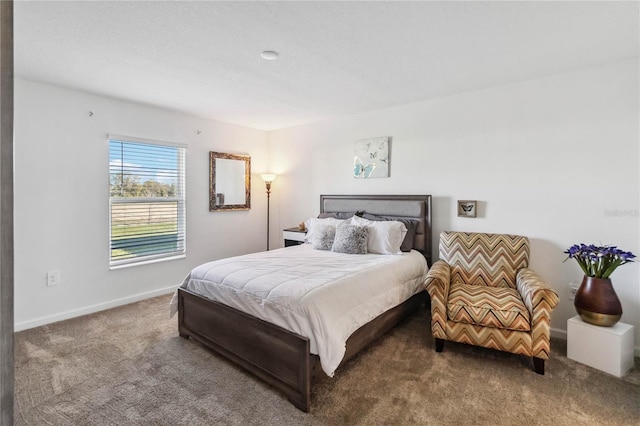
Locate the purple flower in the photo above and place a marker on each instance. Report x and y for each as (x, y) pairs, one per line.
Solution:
(598, 261)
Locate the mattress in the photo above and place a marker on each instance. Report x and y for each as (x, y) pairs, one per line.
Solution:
(319, 294)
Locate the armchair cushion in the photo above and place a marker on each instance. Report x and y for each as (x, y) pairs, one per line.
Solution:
(484, 259)
(498, 307)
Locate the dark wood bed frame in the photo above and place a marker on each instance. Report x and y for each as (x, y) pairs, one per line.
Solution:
(278, 356)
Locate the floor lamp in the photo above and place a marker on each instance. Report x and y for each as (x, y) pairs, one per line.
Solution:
(268, 178)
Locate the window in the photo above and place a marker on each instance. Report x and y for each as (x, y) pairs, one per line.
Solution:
(146, 201)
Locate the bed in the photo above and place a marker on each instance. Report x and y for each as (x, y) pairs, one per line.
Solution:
(279, 351)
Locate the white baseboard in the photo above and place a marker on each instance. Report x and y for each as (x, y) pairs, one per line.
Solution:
(25, 325)
(559, 333)
(562, 334)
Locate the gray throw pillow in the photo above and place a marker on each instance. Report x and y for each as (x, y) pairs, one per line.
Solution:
(323, 238)
(337, 215)
(351, 239)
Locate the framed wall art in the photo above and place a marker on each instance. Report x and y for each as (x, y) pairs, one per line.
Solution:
(467, 208)
(371, 158)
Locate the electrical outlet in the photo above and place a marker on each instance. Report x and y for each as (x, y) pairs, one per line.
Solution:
(53, 278)
(573, 289)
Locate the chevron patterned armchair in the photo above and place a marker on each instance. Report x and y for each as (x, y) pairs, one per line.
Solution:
(483, 293)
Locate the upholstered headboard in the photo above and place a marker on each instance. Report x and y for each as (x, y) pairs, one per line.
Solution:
(417, 207)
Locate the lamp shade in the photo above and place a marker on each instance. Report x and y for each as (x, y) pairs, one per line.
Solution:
(268, 177)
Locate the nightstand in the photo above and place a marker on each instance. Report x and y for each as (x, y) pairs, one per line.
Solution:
(293, 236)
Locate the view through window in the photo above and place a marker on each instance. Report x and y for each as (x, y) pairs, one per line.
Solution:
(146, 201)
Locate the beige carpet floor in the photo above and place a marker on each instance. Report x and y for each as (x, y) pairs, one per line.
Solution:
(127, 366)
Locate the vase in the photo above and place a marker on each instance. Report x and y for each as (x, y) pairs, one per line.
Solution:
(597, 302)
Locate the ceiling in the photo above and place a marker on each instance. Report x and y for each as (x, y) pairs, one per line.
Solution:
(336, 58)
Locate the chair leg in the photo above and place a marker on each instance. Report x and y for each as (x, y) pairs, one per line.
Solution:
(439, 345)
(538, 365)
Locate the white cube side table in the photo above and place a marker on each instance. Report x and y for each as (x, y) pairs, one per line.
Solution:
(609, 349)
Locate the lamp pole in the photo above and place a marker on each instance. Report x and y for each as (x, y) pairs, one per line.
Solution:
(268, 210)
(268, 178)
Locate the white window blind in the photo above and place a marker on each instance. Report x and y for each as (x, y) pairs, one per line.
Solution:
(146, 200)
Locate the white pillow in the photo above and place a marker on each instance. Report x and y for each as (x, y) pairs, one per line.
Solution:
(314, 225)
(385, 237)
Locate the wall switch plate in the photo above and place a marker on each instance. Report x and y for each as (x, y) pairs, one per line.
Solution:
(573, 289)
(53, 278)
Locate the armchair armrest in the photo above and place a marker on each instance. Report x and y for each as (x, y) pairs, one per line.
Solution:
(540, 300)
(437, 284)
(534, 291)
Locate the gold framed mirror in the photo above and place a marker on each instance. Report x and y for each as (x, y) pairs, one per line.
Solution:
(229, 181)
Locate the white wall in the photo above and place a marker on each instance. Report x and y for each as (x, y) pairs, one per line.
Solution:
(555, 159)
(61, 200)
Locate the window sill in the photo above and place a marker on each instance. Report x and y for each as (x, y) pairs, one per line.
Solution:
(146, 262)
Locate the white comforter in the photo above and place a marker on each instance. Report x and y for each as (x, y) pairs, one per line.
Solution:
(319, 294)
